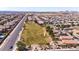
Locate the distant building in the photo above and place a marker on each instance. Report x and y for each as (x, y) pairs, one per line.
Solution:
(65, 37)
(70, 42)
(40, 22)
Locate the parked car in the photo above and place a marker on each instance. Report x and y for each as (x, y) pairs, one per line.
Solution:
(2, 35)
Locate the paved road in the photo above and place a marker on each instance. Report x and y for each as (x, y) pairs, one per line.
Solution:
(11, 39)
(18, 38)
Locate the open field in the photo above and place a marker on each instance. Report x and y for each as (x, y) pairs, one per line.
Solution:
(34, 34)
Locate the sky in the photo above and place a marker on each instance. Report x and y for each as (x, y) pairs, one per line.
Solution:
(40, 9)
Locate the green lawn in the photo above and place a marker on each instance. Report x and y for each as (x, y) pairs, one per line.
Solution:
(33, 34)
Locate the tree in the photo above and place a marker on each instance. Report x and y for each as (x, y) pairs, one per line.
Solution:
(48, 28)
(21, 46)
(50, 31)
(62, 26)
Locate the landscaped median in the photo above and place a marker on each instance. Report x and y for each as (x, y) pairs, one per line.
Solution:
(32, 34)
